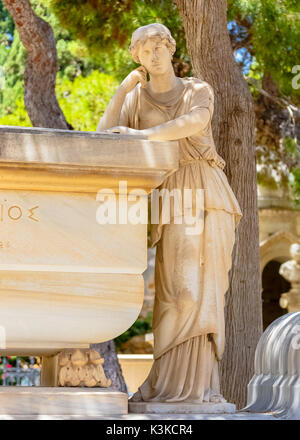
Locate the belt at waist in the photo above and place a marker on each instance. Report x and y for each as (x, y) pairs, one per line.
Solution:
(187, 161)
(184, 162)
(211, 162)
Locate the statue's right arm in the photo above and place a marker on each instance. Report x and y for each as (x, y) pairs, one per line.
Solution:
(112, 113)
(111, 116)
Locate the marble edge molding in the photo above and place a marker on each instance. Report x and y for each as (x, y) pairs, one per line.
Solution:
(50, 159)
(61, 132)
(47, 146)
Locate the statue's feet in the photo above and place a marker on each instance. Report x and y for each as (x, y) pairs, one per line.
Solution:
(217, 398)
(137, 397)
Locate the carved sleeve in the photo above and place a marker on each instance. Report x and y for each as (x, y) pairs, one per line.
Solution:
(202, 97)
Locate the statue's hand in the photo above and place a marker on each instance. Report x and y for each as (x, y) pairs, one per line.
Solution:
(134, 77)
(125, 130)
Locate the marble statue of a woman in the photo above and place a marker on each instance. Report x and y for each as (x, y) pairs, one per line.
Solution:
(191, 271)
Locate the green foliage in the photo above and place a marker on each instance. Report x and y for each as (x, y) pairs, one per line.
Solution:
(69, 64)
(13, 58)
(291, 147)
(85, 99)
(19, 117)
(140, 327)
(265, 178)
(97, 22)
(103, 28)
(13, 73)
(270, 31)
(295, 185)
(12, 62)
(6, 26)
(274, 27)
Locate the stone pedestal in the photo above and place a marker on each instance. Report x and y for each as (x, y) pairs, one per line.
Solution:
(181, 408)
(33, 401)
(69, 276)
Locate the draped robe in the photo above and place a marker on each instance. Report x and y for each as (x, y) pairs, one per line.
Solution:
(191, 271)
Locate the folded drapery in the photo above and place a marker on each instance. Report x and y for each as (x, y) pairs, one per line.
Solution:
(191, 271)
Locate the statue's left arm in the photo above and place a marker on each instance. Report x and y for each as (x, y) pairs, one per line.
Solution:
(194, 121)
(184, 126)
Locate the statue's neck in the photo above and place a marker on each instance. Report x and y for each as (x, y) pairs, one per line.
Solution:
(163, 83)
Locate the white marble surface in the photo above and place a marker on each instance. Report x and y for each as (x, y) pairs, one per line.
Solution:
(180, 407)
(68, 161)
(59, 232)
(44, 312)
(66, 280)
(236, 416)
(275, 386)
(35, 402)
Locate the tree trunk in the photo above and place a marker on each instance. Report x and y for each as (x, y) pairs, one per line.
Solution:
(41, 66)
(205, 23)
(44, 111)
(111, 366)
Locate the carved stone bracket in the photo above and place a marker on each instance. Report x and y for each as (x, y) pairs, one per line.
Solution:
(81, 368)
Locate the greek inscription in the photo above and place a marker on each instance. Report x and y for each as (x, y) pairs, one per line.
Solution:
(31, 216)
(16, 212)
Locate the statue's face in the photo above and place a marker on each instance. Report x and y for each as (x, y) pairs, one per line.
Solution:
(155, 56)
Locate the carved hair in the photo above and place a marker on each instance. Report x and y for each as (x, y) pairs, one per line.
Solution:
(154, 30)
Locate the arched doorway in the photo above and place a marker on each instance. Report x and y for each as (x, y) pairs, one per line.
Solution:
(273, 285)
(274, 251)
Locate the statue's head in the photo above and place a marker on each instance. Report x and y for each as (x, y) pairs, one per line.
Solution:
(150, 42)
(295, 251)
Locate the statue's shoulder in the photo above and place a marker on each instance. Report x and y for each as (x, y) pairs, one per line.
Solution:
(132, 97)
(197, 84)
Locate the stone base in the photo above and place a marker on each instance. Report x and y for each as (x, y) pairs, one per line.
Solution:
(180, 408)
(67, 401)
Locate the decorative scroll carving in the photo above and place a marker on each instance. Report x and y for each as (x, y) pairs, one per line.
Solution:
(274, 388)
(81, 368)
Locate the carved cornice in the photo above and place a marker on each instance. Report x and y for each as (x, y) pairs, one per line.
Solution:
(62, 160)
